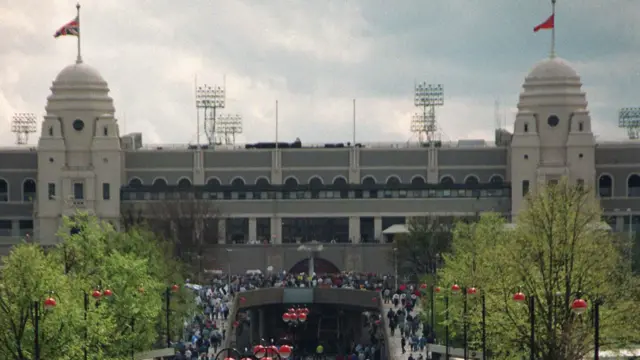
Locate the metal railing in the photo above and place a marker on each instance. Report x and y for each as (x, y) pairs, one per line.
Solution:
(368, 145)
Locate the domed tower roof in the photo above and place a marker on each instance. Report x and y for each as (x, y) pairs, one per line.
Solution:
(552, 69)
(551, 82)
(80, 87)
(77, 74)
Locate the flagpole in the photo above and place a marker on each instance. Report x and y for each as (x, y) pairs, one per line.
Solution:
(553, 30)
(79, 58)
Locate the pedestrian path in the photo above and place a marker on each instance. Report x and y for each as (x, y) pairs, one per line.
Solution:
(395, 346)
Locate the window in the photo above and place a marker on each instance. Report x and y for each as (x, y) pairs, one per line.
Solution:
(106, 191)
(525, 187)
(50, 130)
(552, 182)
(605, 186)
(580, 126)
(526, 127)
(78, 191)
(553, 121)
(52, 191)
(580, 184)
(105, 131)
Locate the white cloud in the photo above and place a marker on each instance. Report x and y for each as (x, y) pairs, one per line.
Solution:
(315, 57)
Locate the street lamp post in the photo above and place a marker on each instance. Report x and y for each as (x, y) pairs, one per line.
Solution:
(395, 267)
(229, 269)
(295, 317)
(579, 306)
(96, 295)
(455, 290)
(49, 303)
(520, 297)
(446, 326)
(312, 251)
(484, 327)
(433, 291)
(173, 289)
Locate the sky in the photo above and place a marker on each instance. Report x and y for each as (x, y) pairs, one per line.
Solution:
(314, 58)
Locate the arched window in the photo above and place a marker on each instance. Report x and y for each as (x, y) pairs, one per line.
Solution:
(496, 179)
(370, 181)
(290, 185)
(184, 183)
(238, 187)
(261, 183)
(159, 183)
(418, 180)
(315, 183)
(633, 186)
(213, 184)
(471, 180)
(446, 180)
(605, 186)
(393, 181)
(29, 190)
(135, 182)
(4, 190)
(341, 183)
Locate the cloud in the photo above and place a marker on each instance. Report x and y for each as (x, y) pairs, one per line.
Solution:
(314, 58)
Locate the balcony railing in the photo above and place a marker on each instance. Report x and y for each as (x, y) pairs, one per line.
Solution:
(324, 192)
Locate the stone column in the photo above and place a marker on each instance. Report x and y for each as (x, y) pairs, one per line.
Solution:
(619, 227)
(261, 323)
(222, 231)
(312, 262)
(377, 228)
(198, 167)
(253, 330)
(253, 229)
(276, 230)
(354, 229)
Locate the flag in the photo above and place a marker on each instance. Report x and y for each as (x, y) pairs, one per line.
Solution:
(71, 28)
(547, 24)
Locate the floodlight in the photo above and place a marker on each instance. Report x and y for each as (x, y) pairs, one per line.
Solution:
(22, 125)
(429, 95)
(421, 123)
(629, 118)
(228, 125)
(208, 97)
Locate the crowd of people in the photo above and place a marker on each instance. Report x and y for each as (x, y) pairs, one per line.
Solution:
(205, 333)
(405, 323)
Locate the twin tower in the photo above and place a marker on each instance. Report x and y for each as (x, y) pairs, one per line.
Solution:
(80, 160)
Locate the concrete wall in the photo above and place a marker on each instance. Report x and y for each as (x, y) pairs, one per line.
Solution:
(347, 257)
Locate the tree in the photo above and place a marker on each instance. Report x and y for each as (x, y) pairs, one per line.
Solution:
(419, 251)
(29, 276)
(189, 224)
(557, 251)
(134, 266)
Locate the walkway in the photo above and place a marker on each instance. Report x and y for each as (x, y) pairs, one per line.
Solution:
(395, 341)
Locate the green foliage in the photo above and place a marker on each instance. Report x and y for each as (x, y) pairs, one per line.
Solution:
(557, 251)
(135, 266)
(417, 252)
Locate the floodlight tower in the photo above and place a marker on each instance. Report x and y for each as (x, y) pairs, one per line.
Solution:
(228, 125)
(22, 125)
(427, 97)
(210, 99)
(629, 118)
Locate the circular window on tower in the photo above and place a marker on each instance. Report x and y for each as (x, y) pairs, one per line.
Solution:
(78, 125)
(553, 121)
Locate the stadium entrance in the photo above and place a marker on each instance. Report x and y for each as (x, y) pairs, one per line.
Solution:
(320, 266)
